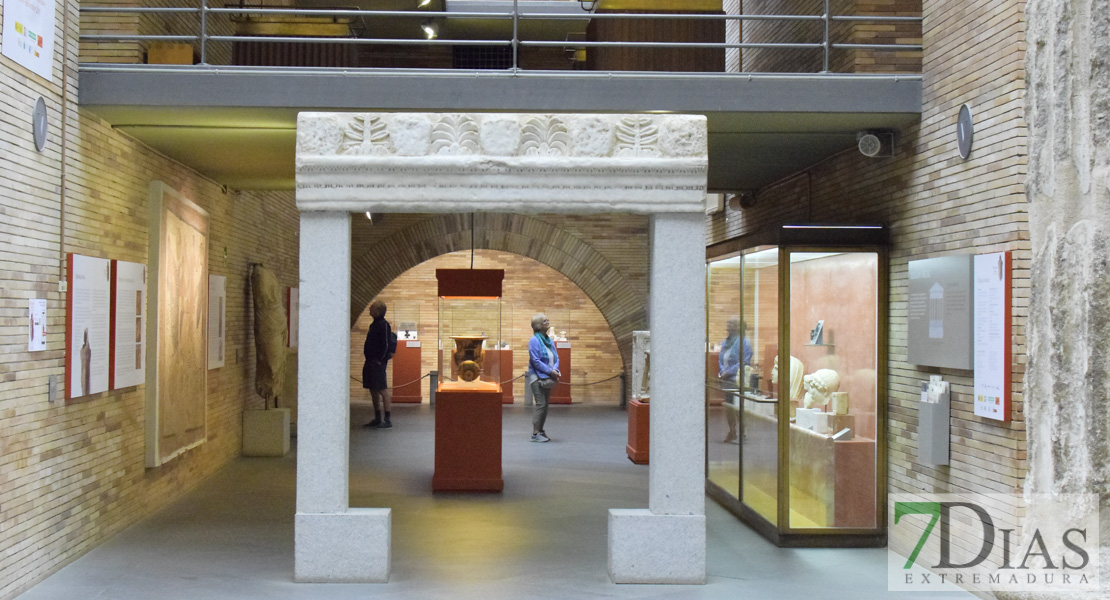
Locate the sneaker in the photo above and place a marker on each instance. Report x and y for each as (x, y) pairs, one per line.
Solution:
(375, 423)
(543, 434)
(385, 425)
(539, 437)
(731, 437)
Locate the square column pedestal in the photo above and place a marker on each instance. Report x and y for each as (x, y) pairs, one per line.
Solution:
(346, 547)
(468, 441)
(649, 548)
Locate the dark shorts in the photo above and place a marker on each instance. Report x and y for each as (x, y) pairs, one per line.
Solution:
(373, 376)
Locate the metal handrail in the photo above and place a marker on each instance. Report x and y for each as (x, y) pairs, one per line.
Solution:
(515, 15)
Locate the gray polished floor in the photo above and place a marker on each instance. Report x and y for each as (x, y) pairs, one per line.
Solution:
(544, 537)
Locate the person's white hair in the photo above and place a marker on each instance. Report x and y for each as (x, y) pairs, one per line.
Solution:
(537, 321)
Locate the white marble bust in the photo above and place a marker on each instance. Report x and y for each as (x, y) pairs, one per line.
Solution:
(820, 386)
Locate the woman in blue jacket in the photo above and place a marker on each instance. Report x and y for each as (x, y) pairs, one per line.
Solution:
(543, 360)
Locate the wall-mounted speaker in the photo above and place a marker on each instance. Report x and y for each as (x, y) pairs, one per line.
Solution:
(875, 144)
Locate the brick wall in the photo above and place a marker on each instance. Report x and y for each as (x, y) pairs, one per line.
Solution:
(937, 204)
(72, 476)
(606, 256)
(529, 287)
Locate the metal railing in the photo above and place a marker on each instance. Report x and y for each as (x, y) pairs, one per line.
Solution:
(516, 16)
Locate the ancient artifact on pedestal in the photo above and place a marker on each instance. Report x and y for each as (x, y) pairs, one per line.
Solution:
(820, 386)
(796, 371)
(468, 356)
(270, 335)
(840, 403)
(641, 365)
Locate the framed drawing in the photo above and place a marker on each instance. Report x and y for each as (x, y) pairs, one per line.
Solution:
(217, 320)
(128, 365)
(177, 327)
(88, 325)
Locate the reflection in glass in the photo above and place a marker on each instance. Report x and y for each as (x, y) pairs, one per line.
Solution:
(833, 333)
(724, 356)
(760, 414)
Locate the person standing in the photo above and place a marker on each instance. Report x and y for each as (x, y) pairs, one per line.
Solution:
(377, 351)
(543, 361)
(728, 375)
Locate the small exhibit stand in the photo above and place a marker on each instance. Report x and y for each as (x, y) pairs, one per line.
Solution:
(406, 373)
(506, 372)
(639, 424)
(468, 440)
(561, 393)
(468, 405)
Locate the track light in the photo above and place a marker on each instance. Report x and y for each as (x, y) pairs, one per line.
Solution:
(423, 3)
(431, 29)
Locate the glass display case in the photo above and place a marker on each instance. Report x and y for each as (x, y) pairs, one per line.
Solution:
(470, 315)
(796, 336)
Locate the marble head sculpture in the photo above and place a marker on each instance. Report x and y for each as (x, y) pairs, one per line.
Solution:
(820, 386)
(796, 371)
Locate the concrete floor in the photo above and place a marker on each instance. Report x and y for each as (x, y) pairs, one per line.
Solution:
(544, 537)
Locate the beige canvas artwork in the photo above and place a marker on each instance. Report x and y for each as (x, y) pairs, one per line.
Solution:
(177, 407)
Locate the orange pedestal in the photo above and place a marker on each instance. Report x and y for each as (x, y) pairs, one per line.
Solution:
(468, 438)
(638, 428)
(506, 366)
(406, 370)
(561, 393)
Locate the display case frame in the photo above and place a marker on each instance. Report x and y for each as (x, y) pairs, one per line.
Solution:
(789, 241)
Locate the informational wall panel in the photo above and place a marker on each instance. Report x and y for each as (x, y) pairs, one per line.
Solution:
(992, 336)
(29, 34)
(88, 325)
(128, 324)
(177, 361)
(217, 320)
(939, 312)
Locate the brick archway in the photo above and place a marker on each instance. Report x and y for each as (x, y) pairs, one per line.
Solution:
(623, 307)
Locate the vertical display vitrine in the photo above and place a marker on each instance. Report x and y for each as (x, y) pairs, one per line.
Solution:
(796, 385)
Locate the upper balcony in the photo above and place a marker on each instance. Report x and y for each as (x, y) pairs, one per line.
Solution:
(784, 83)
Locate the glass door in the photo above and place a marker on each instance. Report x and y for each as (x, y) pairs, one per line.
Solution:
(723, 369)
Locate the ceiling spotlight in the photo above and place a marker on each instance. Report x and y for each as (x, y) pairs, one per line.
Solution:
(423, 3)
(431, 29)
(369, 217)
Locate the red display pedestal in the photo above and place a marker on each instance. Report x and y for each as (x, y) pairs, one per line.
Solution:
(468, 438)
(406, 370)
(638, 428)
(505, 363)
(561, 393)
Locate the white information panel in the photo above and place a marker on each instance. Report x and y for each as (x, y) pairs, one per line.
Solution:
(29, 34)
(217, 320)
(992, 335)
(36, 324)
(88, 311)
(128, 324)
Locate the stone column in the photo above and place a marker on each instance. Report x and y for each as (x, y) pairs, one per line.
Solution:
(1067, 383)
(333, 543)
(666, 542)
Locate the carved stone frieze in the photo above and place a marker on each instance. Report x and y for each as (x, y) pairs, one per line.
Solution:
(422, 162)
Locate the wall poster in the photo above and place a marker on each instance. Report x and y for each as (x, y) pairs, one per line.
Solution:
(128, 364)
(292, 321)
(939, 313)
(217, 320)
(29, 34)
(992, 336)
(36, 324)
(177, 327)
(88, 325)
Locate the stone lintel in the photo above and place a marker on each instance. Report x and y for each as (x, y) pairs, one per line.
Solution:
(346, 547)
(648, 548)
(497, 162)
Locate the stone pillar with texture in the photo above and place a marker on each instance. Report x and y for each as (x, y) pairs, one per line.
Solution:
(1067, 383)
